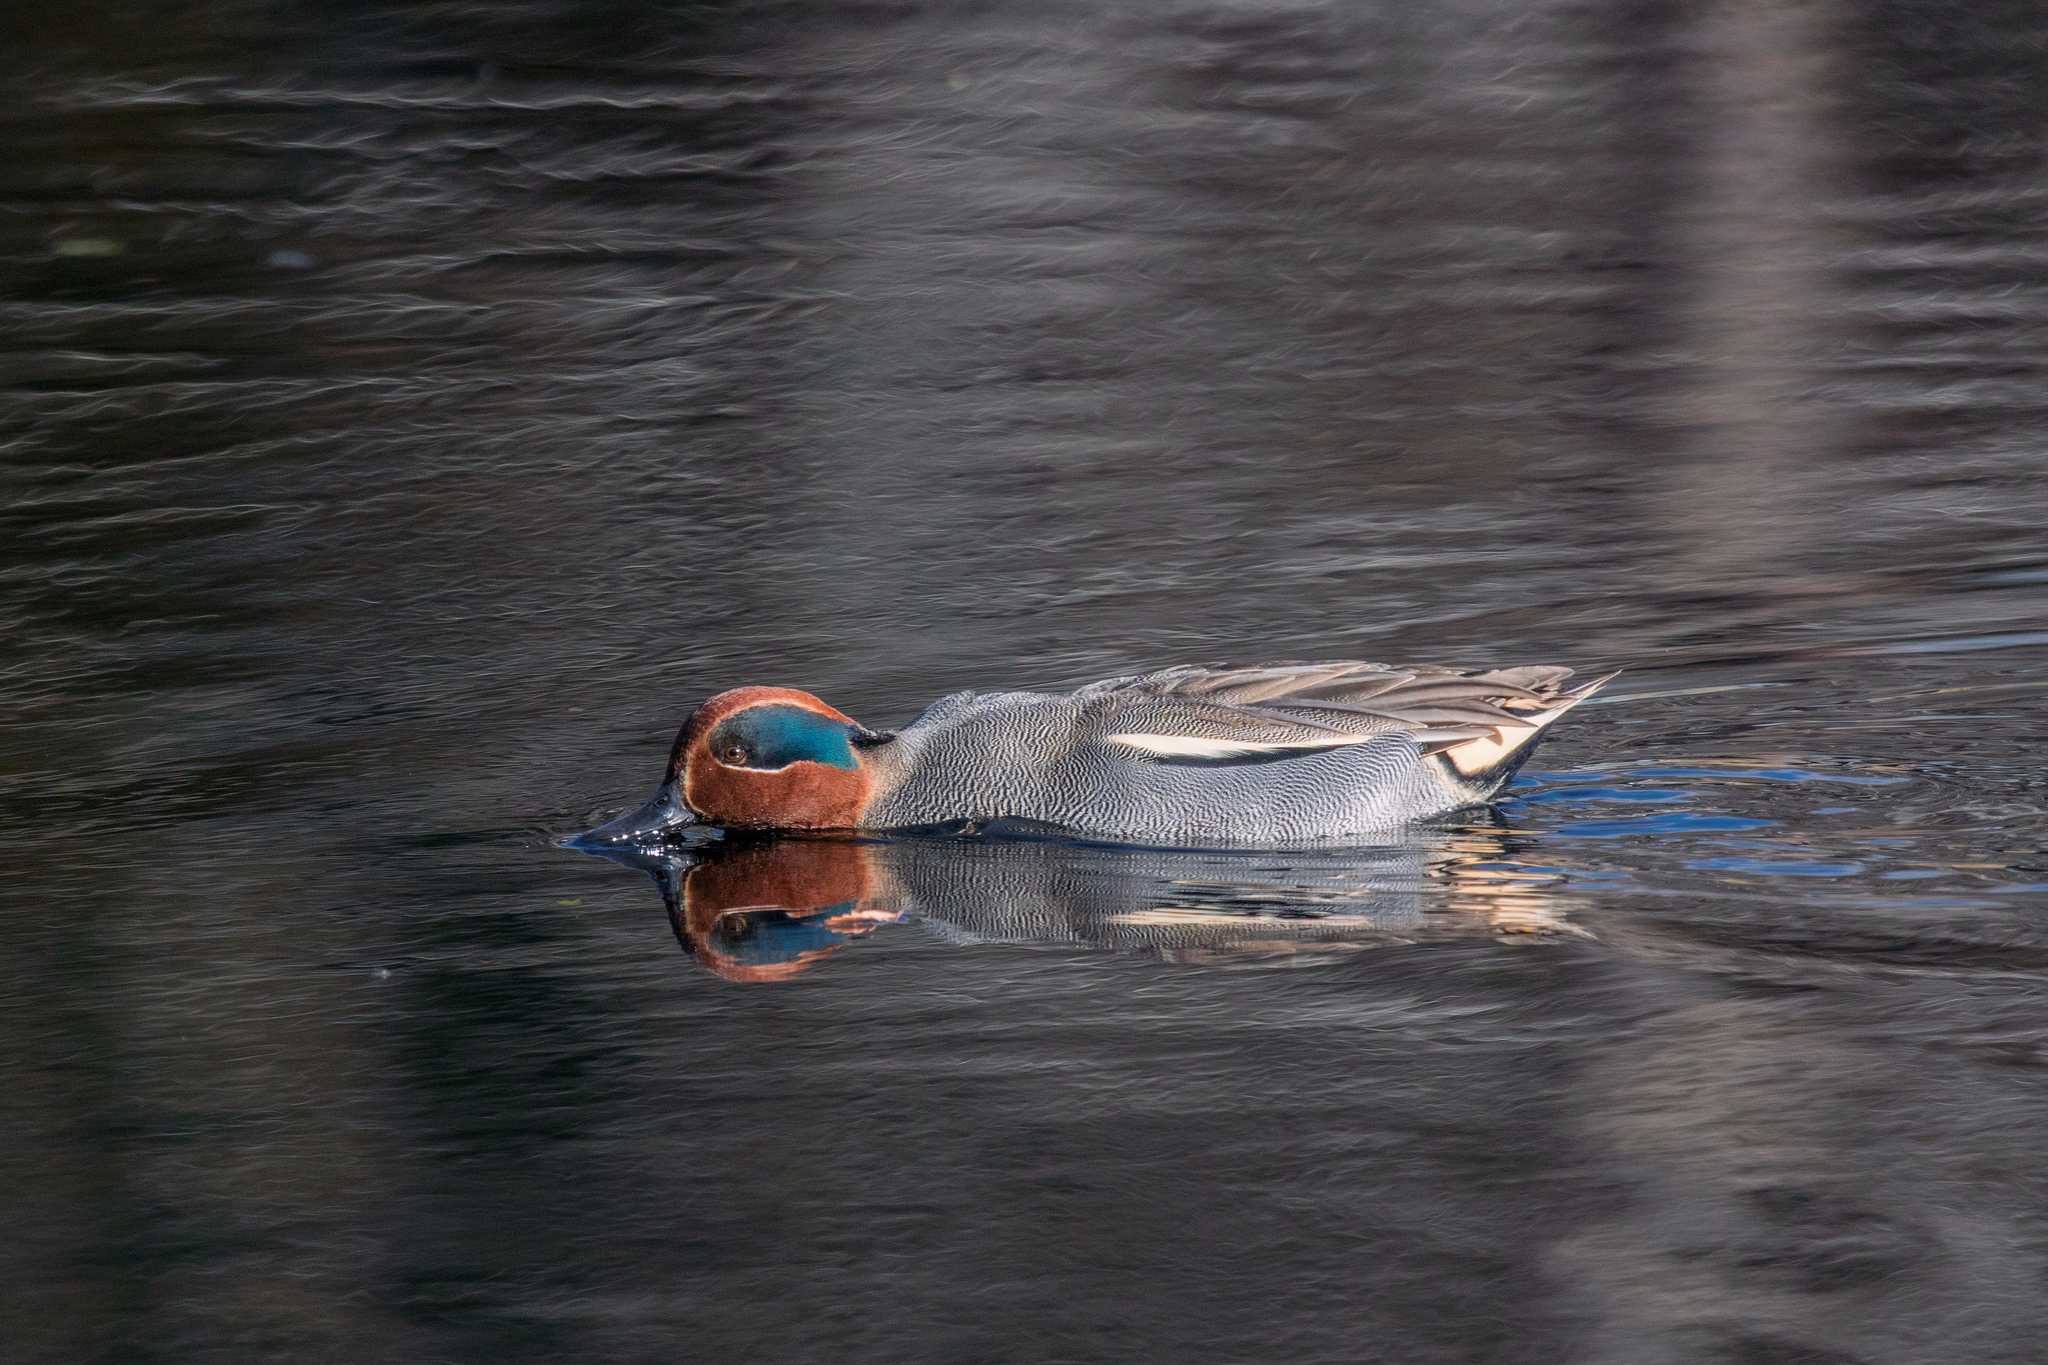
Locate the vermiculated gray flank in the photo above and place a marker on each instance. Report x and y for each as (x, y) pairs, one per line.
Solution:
(1284, 754)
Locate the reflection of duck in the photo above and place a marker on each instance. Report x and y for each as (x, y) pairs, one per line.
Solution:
(1285, 754)
(763, 910)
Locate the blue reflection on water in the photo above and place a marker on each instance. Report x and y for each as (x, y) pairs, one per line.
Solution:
(1771, 775)
(1769, 867)
(1638, 796)
(1670, 822)
(1605, 772)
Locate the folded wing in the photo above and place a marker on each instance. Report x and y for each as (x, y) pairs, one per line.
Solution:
(1212, 715)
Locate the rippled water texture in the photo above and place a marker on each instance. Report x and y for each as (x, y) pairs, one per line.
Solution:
(410, 410)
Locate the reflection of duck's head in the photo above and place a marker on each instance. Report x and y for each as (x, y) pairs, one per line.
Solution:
(771, 910)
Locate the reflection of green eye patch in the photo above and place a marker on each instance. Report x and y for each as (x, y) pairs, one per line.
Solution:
(762, 938)
(777, 736)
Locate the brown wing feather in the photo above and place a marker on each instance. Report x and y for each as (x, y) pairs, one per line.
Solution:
(1441, 708)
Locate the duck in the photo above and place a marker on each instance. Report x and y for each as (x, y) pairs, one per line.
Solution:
(1267, 755)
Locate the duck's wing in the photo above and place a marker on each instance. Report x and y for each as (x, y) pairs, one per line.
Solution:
(1214, 714)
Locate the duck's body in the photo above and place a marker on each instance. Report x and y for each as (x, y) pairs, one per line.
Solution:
(1283, 754)
(1152, 766)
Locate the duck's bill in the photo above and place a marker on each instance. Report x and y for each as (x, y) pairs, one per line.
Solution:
(650, 824)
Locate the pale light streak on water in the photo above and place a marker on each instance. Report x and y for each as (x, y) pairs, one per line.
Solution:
(409, 412)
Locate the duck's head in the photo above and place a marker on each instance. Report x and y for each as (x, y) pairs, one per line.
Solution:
(757, 758)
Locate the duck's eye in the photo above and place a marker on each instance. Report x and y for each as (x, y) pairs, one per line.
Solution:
(736, 754)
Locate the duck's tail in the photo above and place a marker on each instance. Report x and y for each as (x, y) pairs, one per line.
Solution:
(1490, 760)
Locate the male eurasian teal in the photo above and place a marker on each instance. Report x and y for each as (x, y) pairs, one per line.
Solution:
(1279, 754)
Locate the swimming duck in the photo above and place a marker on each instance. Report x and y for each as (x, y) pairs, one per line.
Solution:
(1279, 754)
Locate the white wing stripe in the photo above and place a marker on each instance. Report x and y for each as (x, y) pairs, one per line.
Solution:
(1197, 746)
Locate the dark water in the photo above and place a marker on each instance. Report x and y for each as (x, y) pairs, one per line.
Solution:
(410, 410)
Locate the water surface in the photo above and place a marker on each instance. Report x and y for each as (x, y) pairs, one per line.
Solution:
(409, 413)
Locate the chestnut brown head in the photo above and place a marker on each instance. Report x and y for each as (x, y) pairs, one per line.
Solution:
(771, 758)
